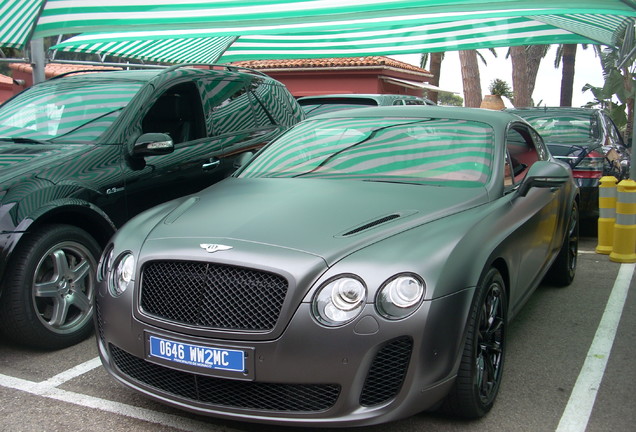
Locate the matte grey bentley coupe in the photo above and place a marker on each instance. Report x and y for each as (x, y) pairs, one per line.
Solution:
(361, 268)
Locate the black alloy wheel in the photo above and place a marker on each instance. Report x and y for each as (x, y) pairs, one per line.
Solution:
(563, 269)
(481, 368)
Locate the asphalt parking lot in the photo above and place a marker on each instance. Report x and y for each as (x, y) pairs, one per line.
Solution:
(565, 371)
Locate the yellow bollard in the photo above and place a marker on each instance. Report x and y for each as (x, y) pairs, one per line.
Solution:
(624, 249)
(606, 213)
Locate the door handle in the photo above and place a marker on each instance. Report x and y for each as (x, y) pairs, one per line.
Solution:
(211, 164)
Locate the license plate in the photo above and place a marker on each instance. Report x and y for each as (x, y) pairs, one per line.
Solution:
(197, 355)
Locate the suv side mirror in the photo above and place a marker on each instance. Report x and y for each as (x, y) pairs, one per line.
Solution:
(544, 174)
(242, 159)
(150, 144)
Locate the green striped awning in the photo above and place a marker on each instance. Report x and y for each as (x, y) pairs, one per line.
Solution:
(275, 17)
(17, 20)
(446, 36)
(310, 28)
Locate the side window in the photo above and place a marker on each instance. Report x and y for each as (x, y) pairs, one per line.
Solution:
(521, 153)
(263, 117)
(227, 107)
(614, 134)
(278, 103)
(177, 112)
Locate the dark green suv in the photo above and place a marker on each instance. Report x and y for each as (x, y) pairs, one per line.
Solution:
(81, 154)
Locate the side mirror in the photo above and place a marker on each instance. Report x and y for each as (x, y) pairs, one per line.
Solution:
(544, 174)
(150, 144)
(242, 159)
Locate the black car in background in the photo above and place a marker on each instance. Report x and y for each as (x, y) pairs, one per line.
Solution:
(81, 154)
(321, 104)
(588, 140)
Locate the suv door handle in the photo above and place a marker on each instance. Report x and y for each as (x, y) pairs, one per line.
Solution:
(211, 164)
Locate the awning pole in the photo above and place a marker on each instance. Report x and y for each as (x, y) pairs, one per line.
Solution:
(38, 60)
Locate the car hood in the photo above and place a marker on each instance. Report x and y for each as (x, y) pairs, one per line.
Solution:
(326, 218)
(17, 160)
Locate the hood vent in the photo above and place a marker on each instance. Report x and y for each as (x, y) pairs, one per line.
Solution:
(371, 224)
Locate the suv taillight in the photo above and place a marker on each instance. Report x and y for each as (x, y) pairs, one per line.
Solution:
(591, 166)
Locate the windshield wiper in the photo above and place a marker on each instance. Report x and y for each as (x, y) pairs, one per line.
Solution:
(21, 140)
(411, 182)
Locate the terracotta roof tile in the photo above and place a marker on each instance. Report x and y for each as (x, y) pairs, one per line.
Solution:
(329, 62)
(5, 79)
(54, 69)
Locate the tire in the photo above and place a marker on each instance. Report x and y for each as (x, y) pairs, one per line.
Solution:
(481, 367)
(563, 269)
(49, 288)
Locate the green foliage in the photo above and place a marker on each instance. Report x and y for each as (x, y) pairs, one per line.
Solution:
(500, 87)
(617, 94)
(450, 99)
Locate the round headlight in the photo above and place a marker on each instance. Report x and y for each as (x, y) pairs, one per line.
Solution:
(105, 264)
(339, 301)
(400, 296)
(123, 273)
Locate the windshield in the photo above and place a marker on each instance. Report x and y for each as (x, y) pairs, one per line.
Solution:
(440, 151)
(316, 106)
(65, 110)
(568, 127)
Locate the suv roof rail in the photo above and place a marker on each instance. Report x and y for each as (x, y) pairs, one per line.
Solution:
(228, 67)
(79, 71)
(164, 69)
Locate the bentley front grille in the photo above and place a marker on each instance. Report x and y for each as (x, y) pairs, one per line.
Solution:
(212, 296)
(226, 392)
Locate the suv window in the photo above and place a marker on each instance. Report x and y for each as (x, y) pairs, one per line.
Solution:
(612, 130)
(227, 107)
(279, 103)
(177, 112)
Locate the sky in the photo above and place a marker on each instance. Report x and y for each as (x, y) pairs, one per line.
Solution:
(548, 85)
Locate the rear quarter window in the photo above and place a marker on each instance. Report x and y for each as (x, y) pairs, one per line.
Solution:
(227, 106)
(278, 103)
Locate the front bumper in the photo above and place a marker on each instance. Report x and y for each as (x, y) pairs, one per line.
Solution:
(369, 371)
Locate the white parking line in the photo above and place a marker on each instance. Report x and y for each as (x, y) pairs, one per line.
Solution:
(575, 416)
(74, 372)
(49, 390)
(579, 408)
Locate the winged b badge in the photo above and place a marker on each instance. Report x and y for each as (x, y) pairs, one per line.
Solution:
(214, 247)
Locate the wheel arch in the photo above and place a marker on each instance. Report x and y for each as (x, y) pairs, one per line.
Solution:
(501, 265)
(81, 214)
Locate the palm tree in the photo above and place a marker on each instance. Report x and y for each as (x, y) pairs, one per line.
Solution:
(470, 78)
(525, 66)
(470, 75)
(435, 68)
(566, 54)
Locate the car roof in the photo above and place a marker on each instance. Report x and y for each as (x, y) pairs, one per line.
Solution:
(495, 118)
(553, 110)
(145, 75)
(374, 96)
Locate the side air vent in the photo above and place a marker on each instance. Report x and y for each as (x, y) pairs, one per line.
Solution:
(371, 224)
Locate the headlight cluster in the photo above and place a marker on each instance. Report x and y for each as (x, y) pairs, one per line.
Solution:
(341, 299)
(399, 297)
(122, 276)
(117, 273)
